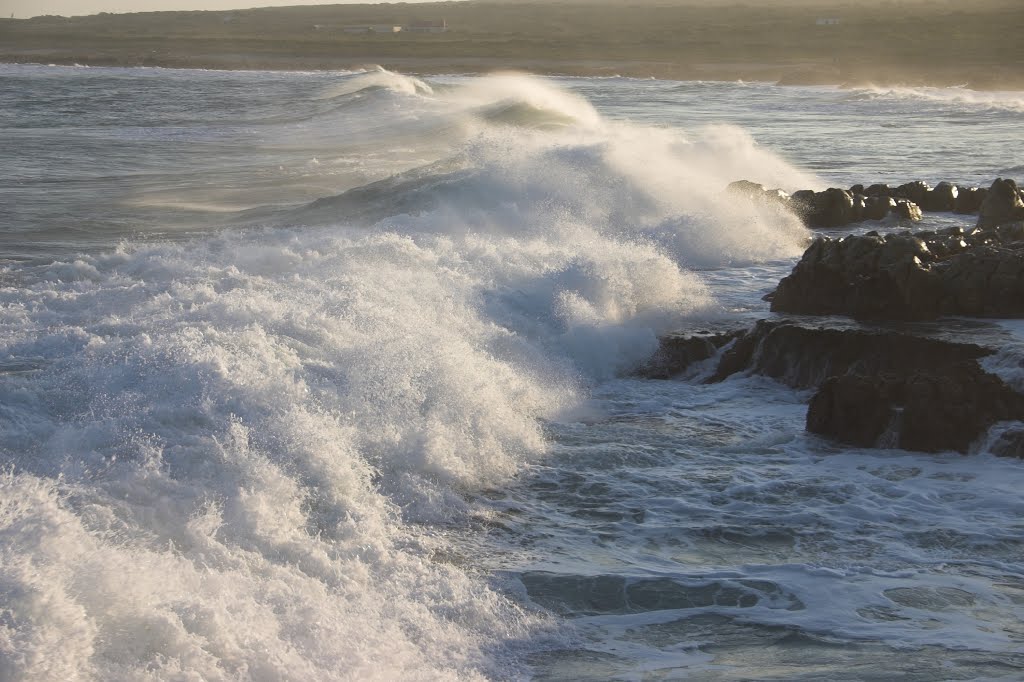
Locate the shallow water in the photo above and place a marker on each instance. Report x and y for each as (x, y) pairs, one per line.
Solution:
(321, 376)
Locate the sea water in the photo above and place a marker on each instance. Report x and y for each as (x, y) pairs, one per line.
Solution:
(328, 376)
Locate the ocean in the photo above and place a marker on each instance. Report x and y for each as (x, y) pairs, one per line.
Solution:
(331, 376)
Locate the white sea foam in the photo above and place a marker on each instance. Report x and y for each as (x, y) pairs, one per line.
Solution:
(959, 96)
(242, 456)
(218, 461)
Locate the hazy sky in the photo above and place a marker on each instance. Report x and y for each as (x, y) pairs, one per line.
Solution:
(31, 8)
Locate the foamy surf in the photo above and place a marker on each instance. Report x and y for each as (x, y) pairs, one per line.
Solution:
(226, 450)
(374, 426)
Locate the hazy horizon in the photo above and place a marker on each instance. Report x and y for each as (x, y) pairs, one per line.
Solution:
(24, 9)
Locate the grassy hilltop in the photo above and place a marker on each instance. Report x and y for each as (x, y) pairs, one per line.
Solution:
(980, 42)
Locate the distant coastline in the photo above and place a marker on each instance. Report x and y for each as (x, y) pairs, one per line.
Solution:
(799, 42)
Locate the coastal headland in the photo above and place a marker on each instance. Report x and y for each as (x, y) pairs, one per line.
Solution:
(915, 42)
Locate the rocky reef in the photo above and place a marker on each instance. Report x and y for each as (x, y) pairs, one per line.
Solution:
(893, 385)
(835, 207)
(872, 387)
(909, 276)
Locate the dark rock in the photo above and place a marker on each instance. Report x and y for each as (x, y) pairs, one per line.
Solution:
(906, 210)
(878, 190)
(916, 192)
(934, 410)
(1002, 204)
(985, 281)
(941, 198)
(968, 199)
(857, 189)
(678, 352)
(882, 388)
(876, 207)
(909, 277)
(859, 206)
(803, 357)
(862, 276)
(801, 202)
(830, 208)
(854, 409)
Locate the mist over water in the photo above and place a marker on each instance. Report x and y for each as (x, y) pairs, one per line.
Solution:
(319, 376)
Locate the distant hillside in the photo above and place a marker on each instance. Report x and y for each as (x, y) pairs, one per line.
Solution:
(980, 42)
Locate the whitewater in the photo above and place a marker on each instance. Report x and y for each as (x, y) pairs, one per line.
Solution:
(328, 376)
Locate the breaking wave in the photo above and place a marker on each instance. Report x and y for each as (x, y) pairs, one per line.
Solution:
(240, 456)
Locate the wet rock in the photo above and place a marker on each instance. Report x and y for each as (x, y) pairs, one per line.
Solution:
(1002, 204)
(858, 209)
(805, 356)
(801, 202)
(916, 191)
(968, 199)
(907, 210)
(932, 410)
(909, 277)
(880, 388)
(941, 198)
(875, 387)
(853, 409)
(869, 276)
(836, 207)
(833, 207)
(877, 207)
(679, 352)
(987, 281)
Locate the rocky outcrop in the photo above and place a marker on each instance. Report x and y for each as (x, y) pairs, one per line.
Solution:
(832, 208)
(875, 387)
(1003, 204)
(835, 207)
(969, 199)
(904, 209)
(941, 198)
(804, 356)
(934, 410)
(909, 276)
(677, 353)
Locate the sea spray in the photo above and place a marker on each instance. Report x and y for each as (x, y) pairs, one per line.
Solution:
(235, 456)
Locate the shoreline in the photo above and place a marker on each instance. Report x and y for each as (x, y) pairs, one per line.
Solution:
(911, 43)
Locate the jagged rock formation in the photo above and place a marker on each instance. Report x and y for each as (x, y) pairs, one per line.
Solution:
(930, 411)
(875, 388)
(804, 356)
(909, 276)
(834, 207)
(679, 352)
